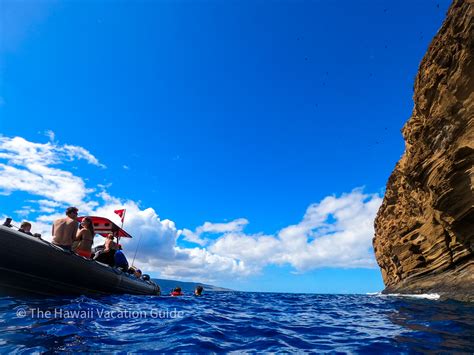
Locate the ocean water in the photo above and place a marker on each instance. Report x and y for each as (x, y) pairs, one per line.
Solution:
(236, 322)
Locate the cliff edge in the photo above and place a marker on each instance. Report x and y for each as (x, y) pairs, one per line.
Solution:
(424, 230)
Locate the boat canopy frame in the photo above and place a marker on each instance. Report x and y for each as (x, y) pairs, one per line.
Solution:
(104, 226)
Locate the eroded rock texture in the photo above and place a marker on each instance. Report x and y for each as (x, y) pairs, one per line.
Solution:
(424, 230)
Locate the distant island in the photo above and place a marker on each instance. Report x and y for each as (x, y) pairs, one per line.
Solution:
(187, 287)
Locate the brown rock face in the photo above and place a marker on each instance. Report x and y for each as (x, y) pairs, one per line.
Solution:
(424, 230)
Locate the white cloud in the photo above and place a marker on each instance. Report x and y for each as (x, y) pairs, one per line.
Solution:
(233, 226)
(156, 240)
(256, 251)
(19, 151)
(75, 152)
(24, 211)
(50, 134)
(335, 232)
(29, 168)
(48, 205)
(213, 228)
(192, 237)
(54, 184)
(200, 264)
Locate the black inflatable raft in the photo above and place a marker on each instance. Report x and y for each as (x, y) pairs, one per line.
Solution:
(31, 265)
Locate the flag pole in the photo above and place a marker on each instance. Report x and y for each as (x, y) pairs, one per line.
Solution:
(123, 218)
(136, 250)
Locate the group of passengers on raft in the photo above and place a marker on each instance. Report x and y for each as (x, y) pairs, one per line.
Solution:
(68, 235)
(79, 239)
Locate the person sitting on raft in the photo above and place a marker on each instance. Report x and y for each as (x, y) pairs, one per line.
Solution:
(84, 238)
(100, 248)
(25, 227)
(65, 229)
(198, 291)
(107, 256)
(135, 272)
(176, 292)
(121, 261)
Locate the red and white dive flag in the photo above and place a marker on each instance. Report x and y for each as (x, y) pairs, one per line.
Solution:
(121, 214)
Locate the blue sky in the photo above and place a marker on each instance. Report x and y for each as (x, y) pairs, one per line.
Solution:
(214, 111)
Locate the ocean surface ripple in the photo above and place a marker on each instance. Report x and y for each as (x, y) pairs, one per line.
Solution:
(236, 321)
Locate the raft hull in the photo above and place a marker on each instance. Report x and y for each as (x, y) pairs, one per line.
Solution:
(30, 265)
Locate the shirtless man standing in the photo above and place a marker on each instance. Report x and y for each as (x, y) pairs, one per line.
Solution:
(65, 229)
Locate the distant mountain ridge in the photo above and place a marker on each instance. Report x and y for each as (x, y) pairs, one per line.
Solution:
(187, 287)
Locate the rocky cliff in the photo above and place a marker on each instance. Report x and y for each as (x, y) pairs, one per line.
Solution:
(424, 230)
